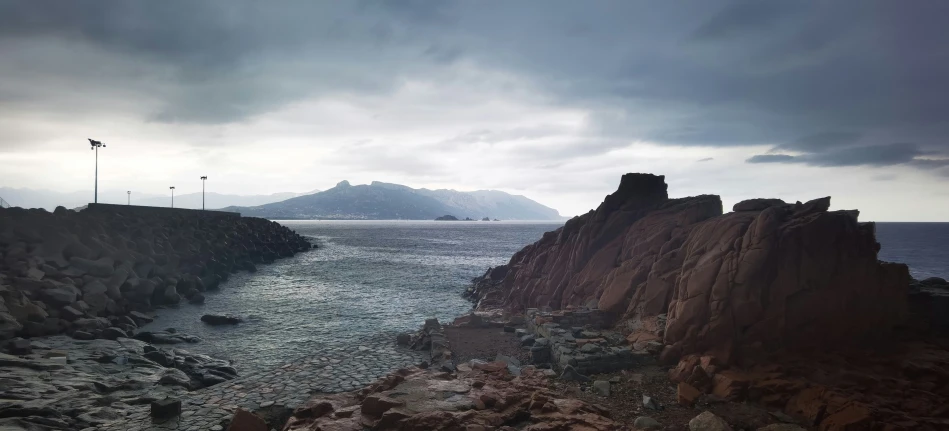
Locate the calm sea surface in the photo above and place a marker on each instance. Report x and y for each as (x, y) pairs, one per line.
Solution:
(372, 279)
(922, 246)
(366, 282)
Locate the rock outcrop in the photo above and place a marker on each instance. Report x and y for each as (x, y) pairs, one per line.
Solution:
(483, 398)
(766, 277)
(57, 269)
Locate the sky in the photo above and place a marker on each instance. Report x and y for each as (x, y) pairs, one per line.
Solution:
(551, 99)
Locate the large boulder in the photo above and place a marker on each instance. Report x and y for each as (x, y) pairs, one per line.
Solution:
(98, 268)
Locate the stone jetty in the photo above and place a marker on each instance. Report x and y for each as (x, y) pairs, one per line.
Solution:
(60, 269)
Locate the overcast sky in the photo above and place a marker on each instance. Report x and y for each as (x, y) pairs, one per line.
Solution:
(550, 99)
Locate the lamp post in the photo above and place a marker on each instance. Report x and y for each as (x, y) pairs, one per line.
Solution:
(94, 145)
(129, 198)
(203, 179)
(172, 196)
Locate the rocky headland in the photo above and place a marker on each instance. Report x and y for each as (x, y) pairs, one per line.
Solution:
(782, 304)
(76, 286)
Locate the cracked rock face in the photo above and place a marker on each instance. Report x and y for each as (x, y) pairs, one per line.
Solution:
(487, 398)
(766, 277)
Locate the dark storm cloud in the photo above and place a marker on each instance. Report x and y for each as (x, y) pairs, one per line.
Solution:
(861, 155)
(822, 83)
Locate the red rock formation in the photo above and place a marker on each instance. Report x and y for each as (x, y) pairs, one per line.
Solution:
(487, 398)
(766, 277)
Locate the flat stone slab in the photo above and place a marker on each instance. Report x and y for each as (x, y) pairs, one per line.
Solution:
(332, 370)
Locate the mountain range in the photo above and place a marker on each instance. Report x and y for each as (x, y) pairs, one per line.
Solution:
(386, 201)
(35, 198)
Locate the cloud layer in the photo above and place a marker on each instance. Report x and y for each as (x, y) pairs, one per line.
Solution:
(552, 100)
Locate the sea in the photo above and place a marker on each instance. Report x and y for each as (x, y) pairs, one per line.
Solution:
(370, 280)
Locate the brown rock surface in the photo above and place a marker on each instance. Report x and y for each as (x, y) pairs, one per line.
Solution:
(474, 400)
(766, 278)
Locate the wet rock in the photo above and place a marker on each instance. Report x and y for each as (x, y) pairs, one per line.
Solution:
(83, 335)
(220, 319)
(707, 421)
(403, 339)
(19, 346)
(197, 298)
(140, 318)
(113, 333)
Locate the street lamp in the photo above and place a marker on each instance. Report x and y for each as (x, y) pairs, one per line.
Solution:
(94, 145)
(130, 197)
(203, 179)
(172, 196)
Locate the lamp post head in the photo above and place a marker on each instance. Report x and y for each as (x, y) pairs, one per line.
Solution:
(172, 187)
(94, 143)
(204, 177)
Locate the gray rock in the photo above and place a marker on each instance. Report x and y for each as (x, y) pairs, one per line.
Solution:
(650, 403)
(140, 318)
(646, 423)
(98, 268)
(590, 348)
(707, 421)
(113, 333)
(175, 377)
(19, 346)
(70, 313)
(527, 340)
(541, 342)
(602, 388)
(83, 335)
(35, 274)
(403, 339)
(197, 298)
(570, 374)
(221, 319)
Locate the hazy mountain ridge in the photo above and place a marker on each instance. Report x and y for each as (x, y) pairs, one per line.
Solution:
(388, 201)
(48, 199)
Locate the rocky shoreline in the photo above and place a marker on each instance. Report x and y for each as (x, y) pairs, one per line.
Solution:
(76, 286)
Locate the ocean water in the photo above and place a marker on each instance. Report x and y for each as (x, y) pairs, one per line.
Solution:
(922, 246)
(373, 279)
(368, 281)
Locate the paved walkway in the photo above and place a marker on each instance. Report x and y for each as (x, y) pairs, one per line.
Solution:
(334, 370)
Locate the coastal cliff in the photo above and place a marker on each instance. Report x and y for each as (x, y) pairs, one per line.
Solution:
(768, 276)
(785, 305)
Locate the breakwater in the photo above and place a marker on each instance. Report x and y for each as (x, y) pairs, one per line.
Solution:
(60, 269)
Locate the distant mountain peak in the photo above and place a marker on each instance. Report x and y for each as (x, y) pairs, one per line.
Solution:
(387, 201)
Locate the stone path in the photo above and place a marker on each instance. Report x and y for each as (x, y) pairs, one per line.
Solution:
(333, 370)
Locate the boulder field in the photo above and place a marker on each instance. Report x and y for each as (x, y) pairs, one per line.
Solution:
(64, 267)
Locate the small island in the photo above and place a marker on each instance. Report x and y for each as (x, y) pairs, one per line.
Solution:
(446, 217)
(486, 219)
